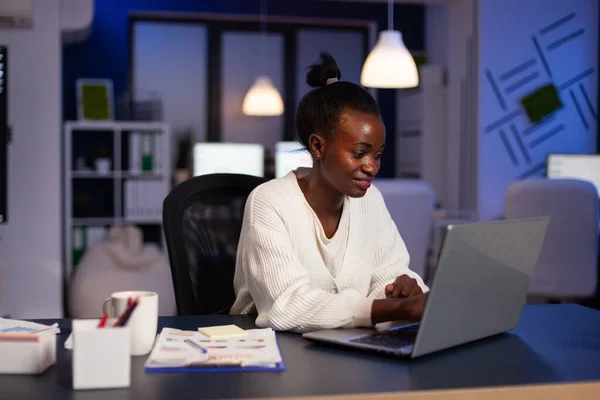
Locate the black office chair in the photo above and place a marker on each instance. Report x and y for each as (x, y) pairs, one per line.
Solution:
(202, 220)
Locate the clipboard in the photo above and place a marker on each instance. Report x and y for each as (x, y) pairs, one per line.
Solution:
(222, 368)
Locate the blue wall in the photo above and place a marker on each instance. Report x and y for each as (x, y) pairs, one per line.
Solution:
(547, 45)
(105, 53)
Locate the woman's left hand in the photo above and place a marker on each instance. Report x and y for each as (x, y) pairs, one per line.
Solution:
(403, 286)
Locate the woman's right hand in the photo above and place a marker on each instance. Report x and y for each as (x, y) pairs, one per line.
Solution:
(403, 286)
(396, 309)
(414, 307)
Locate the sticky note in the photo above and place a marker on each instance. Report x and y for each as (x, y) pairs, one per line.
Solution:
(222, 331)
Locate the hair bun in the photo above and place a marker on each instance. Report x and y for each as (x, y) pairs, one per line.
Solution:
(325, 69)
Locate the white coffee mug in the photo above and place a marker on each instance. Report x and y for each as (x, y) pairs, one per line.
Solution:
(143, 321)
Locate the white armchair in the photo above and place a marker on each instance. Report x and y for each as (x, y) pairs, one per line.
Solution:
(411, 204)
(567, 267)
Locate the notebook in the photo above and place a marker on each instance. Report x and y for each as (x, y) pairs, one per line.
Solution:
(189, 351)
(222, 331)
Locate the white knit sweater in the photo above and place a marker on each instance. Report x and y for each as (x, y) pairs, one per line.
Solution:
(282, 269)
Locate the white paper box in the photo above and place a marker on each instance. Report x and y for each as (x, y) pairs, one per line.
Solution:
(101, 356)
(28, 357)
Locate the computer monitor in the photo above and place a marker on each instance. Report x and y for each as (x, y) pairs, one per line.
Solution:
(231, 158)
(575, 166)
(289, 156)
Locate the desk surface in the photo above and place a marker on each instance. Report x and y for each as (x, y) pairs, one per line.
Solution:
(552, 344)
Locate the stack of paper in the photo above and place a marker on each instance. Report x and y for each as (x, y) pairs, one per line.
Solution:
(176, 350)
(222, 331)
(17, 326)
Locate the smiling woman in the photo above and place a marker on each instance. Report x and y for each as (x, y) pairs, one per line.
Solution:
(318, 248)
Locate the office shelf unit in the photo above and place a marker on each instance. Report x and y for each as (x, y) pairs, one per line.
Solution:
(127, 188)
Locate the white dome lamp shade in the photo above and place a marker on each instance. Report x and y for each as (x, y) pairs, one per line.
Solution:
(262, 99)
(390, 64)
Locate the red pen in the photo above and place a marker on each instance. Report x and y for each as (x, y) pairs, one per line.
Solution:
(102, 322)
(129, 305)
(130, 311)
(126, 313)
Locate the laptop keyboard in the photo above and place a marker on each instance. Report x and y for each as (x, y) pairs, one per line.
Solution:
(394, 339)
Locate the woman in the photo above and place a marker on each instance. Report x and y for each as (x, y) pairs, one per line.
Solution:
(318, 248)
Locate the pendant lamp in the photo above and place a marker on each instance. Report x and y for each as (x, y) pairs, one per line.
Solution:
(263, 98)
(390, 64)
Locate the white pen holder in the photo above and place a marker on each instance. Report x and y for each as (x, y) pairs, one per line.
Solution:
(101, 356)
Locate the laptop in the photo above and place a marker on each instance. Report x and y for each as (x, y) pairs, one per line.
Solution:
(479, 289)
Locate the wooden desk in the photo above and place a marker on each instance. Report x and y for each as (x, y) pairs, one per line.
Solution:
(554, 344)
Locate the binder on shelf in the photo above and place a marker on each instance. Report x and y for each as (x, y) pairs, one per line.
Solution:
(158, 160)
(135, 156)
(143, 200)
(144, 153)
(94, 235)
(79, 243)
(148, 150)
(129, 200)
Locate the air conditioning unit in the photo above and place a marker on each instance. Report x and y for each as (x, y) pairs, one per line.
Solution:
(16, 13)
(76, 18)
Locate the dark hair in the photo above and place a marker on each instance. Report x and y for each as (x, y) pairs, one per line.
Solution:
(319, 110)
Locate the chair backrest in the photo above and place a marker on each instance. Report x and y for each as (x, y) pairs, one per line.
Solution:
(567, 265)
(411, 204)
(202, 221)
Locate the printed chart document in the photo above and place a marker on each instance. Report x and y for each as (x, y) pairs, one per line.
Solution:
(17, 326)
(176, 350)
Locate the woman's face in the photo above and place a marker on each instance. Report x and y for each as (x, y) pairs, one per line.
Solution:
(351, 158)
